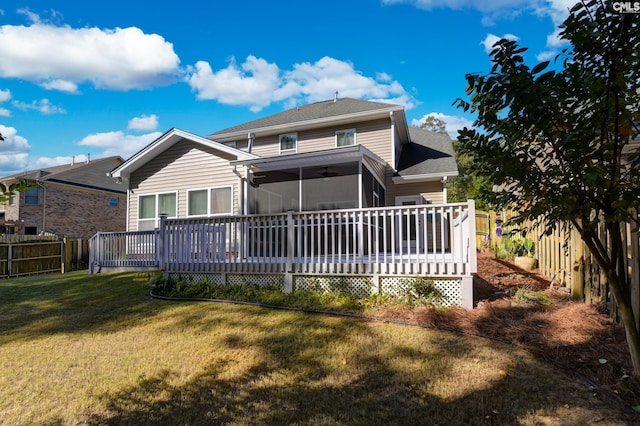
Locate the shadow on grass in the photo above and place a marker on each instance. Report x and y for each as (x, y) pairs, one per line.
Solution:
(298, 378)
(72, 303)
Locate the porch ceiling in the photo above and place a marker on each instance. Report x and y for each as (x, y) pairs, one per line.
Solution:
(310, 159)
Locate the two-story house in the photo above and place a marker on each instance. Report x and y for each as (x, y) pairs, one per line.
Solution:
(72, 200)
(342, 189)
(338, 154)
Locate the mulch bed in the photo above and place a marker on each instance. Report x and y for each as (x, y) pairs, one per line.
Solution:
(578, 338)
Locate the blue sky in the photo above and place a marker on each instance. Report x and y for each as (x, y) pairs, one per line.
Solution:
(97, 79)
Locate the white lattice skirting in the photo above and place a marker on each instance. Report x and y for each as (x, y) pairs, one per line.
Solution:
(454, 291)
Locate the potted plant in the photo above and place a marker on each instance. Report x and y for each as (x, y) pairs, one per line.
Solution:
(524, 254)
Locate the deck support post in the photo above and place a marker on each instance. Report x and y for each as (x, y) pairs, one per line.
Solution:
(466, 296)
(375, 284)
(288, 282)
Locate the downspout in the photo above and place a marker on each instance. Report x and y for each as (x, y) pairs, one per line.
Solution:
(444, 189)
(251, 137)
(393, 143)
(241, 189)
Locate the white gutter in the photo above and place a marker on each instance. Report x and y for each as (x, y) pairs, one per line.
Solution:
(425, 177)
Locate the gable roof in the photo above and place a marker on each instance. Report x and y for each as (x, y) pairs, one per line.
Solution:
(331, 112)
(163, 143)
(87, 174)
(428, 156)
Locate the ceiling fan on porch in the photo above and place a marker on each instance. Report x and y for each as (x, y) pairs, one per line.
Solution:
(326, 173)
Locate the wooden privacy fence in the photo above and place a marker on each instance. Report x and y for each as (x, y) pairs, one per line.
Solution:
(565, 259)
(30, 256)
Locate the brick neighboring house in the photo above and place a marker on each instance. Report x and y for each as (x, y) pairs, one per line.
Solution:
(74, 201)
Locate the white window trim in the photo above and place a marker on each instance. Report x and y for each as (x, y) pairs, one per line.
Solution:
(209, 189)
(287, 151)
(157, 198)
(355, 137)
(208, 192)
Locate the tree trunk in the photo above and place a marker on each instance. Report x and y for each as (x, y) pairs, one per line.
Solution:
(625, 310)
(620, 286)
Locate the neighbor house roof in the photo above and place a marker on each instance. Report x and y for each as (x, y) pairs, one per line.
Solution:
(331, 112)
(428, 156)
(88, 174)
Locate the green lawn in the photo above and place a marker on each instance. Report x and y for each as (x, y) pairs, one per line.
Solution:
(96, 349)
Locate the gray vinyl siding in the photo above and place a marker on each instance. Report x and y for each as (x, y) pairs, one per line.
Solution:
(184, 166)
(374, 134)
(431, 191)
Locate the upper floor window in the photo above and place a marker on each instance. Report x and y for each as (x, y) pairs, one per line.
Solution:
(113, 201)
(209, 202)
(346, 137)
(288, 143)
(151, 206)
(32, 196)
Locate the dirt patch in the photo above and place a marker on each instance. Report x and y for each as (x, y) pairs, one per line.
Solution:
(522, 308)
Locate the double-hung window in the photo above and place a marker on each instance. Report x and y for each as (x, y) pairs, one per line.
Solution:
(151, 206)
(32, 196)
(346, 137)
(288, 143)
(210, 202)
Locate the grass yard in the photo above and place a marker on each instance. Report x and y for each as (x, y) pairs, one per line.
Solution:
(95, 349)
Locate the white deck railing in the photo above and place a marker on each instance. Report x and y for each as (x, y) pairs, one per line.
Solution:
(434, 240)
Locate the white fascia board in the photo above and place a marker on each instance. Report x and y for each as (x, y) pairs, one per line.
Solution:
(427, 177)
(166, 141)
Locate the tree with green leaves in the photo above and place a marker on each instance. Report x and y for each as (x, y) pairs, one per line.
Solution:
(561, 138)
(470, 183)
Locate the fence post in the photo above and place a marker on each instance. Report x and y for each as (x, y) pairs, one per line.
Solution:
(68, 247)
(577, 273)
(9, 260)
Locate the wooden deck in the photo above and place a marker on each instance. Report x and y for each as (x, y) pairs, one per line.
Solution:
(432, 240)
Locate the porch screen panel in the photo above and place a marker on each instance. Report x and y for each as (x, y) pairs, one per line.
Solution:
(274, 191)
(331, 187)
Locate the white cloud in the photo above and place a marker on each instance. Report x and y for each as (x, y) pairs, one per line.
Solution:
(5, 112)
(556, 10)
(61, 86)
(143, 123)
(59, 57)
(14, 152)
(5, 95)
(44, 106)
(491, 39)
(453, 123)
(258, 83)
(118, 143)
(12, 143)
(252, 83)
